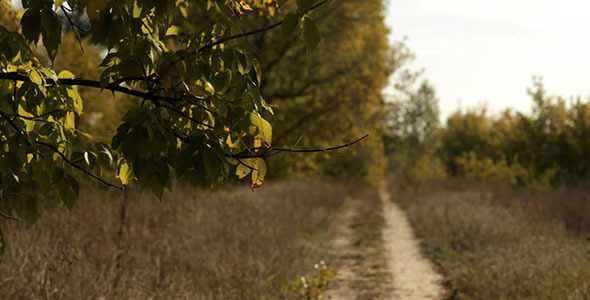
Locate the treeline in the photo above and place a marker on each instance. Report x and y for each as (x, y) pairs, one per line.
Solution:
(548, 146)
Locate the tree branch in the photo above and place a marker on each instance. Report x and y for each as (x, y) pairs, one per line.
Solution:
(114, 87)
(76, 166)
(256, 31)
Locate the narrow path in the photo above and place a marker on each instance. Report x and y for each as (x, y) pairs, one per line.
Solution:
(341, 288)
(414, 277)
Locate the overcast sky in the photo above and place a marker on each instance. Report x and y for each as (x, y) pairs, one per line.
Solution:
(478, 52)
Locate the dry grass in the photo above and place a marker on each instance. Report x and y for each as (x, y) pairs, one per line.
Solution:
(497, 242)
(233, 244)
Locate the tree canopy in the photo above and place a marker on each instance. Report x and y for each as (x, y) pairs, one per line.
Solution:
(183, 79)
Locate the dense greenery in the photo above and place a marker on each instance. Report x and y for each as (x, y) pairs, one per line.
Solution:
(548, 146)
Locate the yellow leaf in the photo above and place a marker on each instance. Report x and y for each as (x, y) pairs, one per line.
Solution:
(258, 173)
(245, 5)
(65, 74)
(183, 5)
(35, 77)
(264, 128)
(136, 10)
(257, 142)
(70, 120)
(244, 168)
(124, 173)
(173, 30)
(29, 124)
(73, 93)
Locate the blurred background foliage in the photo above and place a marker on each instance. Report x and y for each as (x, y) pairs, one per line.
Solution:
(331, 96)
(547, 147)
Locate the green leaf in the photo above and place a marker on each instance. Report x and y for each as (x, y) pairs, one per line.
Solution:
(68, 191)
(289, 24)
(94, 8)
(135, 143)
(305, 5)
(311, 35)
(31, 25)
(120, 135)
(255, 94)
(51, 30)
(42, 179)
(130, 67)
(211, 162)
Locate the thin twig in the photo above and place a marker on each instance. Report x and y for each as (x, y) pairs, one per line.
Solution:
(4, 215)
(71, 163)
(320, 149)
(256, 31)
(73, 28)
(294, 150)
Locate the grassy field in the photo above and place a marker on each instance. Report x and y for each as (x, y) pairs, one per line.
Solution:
(493, 241)
(232, 244)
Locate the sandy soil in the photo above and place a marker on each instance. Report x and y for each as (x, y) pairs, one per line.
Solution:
(414, 277)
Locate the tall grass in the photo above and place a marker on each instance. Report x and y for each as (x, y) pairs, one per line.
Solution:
(232, 244)
(497, 242)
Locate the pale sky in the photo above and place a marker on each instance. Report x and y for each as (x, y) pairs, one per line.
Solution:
(477, 52)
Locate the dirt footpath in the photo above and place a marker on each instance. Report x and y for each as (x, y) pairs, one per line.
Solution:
(414, 277)
(368, 270)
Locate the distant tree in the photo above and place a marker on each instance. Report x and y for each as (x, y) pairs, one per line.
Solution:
(412, 127)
